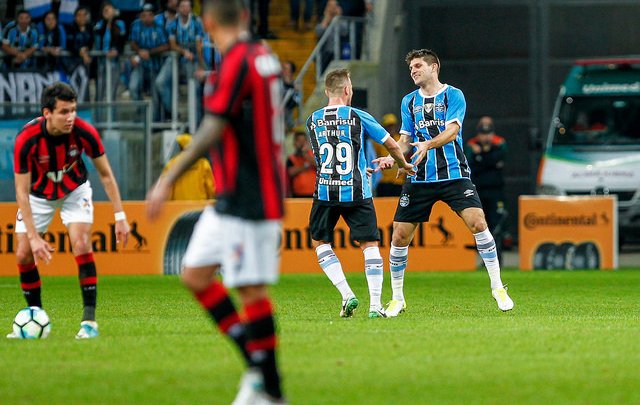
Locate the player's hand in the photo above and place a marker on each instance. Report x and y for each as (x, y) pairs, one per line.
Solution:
(421, 152)
(408, 169)
(156, 198)
(122, 232)
(383, 163)
(41, 249)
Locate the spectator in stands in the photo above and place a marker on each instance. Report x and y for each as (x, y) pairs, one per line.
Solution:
(263, 19)
(301, 166)
(109, 35)
(197, 182)
(211, 59)
(52, 40)
(294, 7)
(185, 37)
(390, 184)
(80, 40)
(149, 42)
(290, 91)
(20, 41)
(331, 11)
(166, 17)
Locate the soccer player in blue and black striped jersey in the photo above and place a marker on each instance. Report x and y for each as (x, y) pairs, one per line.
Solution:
(432, 117)
(338, 134)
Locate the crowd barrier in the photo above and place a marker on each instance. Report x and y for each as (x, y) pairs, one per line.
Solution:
(444, 244)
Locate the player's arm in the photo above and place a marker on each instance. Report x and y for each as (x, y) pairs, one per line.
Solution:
(395, 151)
(39, 247)
(207, 135)
(110, 185)
(448, 135)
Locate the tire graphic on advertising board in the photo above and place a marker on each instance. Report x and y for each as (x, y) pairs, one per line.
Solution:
(566, 256)
(177, 242)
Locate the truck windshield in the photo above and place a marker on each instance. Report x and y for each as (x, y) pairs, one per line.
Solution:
(603, 120)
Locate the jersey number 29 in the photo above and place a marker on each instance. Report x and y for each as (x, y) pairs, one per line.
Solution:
(338, 157)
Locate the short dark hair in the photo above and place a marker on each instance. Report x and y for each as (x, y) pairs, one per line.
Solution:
(226, 12)
(426, 54)
(57, 91)
(336, 79)
(22, 11)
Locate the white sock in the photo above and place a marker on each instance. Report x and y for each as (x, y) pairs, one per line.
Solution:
(333, 269)
(487, 248)
(398, 257)
(373, 270)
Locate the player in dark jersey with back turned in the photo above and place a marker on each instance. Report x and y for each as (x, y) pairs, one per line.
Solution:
(50, 174)
(432, 117)
(244, 127)
(338, 134)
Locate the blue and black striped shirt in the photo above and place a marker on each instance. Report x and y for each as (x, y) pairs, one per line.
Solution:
(424, 117)
(338, 135)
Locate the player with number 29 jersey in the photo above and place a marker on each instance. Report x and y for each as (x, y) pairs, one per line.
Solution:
(338, 135)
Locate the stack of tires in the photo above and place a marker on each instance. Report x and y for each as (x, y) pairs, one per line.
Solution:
(566, 256)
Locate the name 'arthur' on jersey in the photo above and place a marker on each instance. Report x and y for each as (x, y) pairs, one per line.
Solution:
(337, 135)
(424, 117)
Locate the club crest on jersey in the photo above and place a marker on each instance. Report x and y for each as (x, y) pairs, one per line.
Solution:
(428, 107)
(404, 200)
(73, 150)
(439, 107)
(417, 109)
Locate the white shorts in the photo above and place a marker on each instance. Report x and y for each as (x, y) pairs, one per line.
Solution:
(77, 206)
(247, 250)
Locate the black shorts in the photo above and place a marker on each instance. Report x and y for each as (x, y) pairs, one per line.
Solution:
(360, 218)
(417, 199)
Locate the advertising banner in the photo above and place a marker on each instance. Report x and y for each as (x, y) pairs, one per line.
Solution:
(568, 232)
(157, 247)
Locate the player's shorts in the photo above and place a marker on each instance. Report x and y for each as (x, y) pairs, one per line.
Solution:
(417, 199)
(247, 250)
(361, 219)
(76, 206)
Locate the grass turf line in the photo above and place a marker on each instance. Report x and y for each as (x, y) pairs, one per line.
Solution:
(572, 338)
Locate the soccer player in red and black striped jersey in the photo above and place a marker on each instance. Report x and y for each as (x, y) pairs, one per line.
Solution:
(243, 130)
(50, 174)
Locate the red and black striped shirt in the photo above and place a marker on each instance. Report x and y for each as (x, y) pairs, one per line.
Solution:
(247, 162)
(55, 162)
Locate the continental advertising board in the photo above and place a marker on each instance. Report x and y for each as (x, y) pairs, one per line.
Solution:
(157, 247)
(568, 232)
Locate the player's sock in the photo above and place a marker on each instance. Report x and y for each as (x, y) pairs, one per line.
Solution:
(88, 283)
(261, 343)
(373, 270)
(398, 257)
(487, 248)
(331, 266)
(215, 299)
(30, 283)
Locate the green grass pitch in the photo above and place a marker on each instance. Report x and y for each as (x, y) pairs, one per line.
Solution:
(573, 337)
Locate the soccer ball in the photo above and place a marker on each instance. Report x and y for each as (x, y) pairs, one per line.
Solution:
(32, 323)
